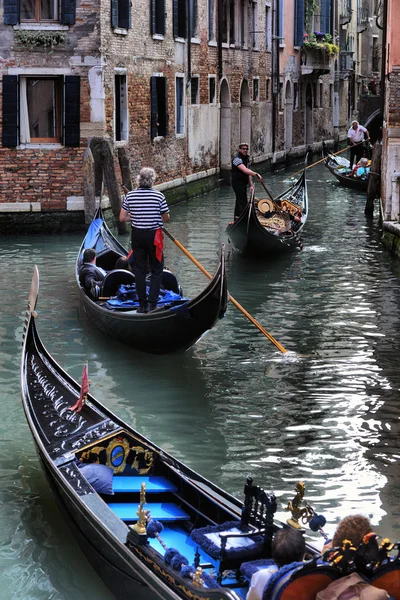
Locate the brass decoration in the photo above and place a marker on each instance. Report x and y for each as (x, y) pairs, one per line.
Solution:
(304, 513)
(110, 448)
(198, 577)
(147, 457)
(142, 457)
(140, 525)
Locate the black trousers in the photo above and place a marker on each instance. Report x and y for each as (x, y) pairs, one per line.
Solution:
(357, 152)
(240, 190)
(144, 253)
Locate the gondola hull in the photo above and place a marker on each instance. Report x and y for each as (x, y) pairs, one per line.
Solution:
(349, 182)
(131, 570)
(249, 236)
(165, 330)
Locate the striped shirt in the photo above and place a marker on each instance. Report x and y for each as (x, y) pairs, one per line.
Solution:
(145, 206)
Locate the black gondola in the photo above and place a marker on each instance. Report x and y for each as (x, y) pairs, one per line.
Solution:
(340, 168)
(141, 516)
(174, 326)
(269, 227)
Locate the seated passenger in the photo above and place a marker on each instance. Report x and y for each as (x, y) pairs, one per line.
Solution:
(362, 169)
(353, 528)
(123, 263)
(90, 275)
(288, 546)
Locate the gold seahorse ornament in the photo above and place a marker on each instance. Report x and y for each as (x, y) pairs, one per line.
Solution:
(299, 512)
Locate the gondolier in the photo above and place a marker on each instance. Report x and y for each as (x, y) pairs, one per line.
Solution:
(147, 210)
(356, 136)
(241, 177)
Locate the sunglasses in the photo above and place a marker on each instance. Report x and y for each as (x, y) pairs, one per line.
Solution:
(244, 148)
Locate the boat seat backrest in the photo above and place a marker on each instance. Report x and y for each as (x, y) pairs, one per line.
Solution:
(114, 279)
(387, 577)
(121, 454)
(106, 259)
(169, 281)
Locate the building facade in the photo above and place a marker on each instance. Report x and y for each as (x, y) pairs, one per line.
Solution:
(176, 84)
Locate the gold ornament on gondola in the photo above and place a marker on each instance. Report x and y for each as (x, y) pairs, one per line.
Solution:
(140, 525)
(299, 512)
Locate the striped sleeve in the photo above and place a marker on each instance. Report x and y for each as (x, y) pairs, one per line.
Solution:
(163, 205)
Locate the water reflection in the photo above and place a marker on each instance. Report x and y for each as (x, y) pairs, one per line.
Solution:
(326, 412)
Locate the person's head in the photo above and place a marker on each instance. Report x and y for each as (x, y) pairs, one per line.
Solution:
(364, 162)
(288, 546)
(89, 255)
(243, 148)
(354, 124)
(146, 177)
(353, 528)
(122, 263)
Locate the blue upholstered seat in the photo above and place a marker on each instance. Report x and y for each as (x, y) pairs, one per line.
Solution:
(247, 569)
(162, 511)
(133, 483)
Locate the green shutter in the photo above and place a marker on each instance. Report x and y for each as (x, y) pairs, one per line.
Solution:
(72, 105)
(153, 107)
(11, 12)
(10, 111)
(68, 12)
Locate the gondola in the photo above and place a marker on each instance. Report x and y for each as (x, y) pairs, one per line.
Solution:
(270, 227)
(340, 168)
(174, 326)
(142, 517)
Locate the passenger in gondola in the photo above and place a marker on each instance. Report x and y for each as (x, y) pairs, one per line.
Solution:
(362, 170)
(147, 210)
(242, 176)
(90, 275)
(288, 546)
(123, 263)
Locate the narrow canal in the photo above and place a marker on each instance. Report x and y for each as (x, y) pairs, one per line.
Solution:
(327, 412)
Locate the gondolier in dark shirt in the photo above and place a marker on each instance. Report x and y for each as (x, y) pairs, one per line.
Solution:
(241, 177)
(147, 210)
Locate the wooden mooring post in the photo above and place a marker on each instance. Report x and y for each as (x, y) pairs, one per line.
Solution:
(374, 180)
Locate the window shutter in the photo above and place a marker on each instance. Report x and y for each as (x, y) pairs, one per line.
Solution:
(68, 12)
(154, 107)
(10, 110)
(182, 16)
(152, 17)
(299, 23)
(325, 16)
(161, 17)
(124, 14)
(72, 110)
(11, 12)
(175, 17)
(165, 132)
(114, 13)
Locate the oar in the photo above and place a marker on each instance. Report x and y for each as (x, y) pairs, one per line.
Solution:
(244, 311)
(325, 157)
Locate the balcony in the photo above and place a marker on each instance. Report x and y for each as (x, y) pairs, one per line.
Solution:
(315, 61)
(345, 12)
(362, 19)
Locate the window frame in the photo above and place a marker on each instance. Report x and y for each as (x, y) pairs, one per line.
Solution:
(196, 89)
(121, 103)
(66, 14)
(180, 119)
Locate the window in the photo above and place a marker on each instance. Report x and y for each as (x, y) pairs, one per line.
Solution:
(243, 23)
(232, 28)
(229, 22)
(121, 14)
(41, 110)
(255, 90)
(180, 105)
(211, 89)
(211, 20)
(280, 96)
(194, 90)
(268, 28)
(39, 11)
(121, 108)
(157, 17)
(193, 18)
(281, 17)
(179, 18)
(299, 24)
(254, 24)
(159, 106)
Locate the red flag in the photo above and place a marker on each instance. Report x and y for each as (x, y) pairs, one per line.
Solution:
(84, 390)
(159, 244)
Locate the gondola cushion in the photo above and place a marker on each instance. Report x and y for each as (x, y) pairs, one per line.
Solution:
(248, 569)
(99, 477)
(209, 540)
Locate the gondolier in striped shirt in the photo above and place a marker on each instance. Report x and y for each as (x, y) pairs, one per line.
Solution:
(147, 210)
(241, 177)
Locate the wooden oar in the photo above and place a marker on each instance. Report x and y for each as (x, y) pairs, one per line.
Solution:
(244, 311)
(325, 157)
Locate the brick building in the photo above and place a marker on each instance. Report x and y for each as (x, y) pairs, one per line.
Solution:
(177, 84)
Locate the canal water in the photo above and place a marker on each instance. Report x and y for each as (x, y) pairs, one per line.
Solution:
(326, 413)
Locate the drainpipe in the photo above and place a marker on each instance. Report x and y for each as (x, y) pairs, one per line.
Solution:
(383, 28)
(220, 29)
(189, 44)
(275, 71)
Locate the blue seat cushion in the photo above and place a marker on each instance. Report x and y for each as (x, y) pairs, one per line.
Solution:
(248, 569)
(161, 511)
(208, 538)
(133, 483)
